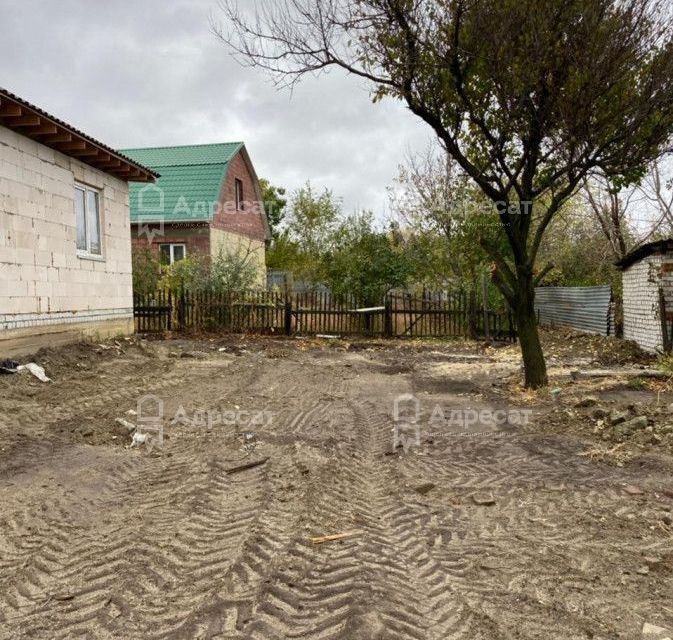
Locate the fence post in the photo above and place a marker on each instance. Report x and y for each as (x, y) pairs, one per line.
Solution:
(388, 317)
(169, 315)
(181, 309)
(512, 328)
(288, 316)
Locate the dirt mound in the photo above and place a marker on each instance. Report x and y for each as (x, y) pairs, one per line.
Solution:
(607, 351)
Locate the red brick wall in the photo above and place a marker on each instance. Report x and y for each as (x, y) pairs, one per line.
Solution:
(196, 237)
(250, 221)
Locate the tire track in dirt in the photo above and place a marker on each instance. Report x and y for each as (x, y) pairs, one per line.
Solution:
(197, 557)
(80, 551)
(360, 588)
(271, 522)
(172, 546)
(474, 544)
(439, 610)
(289, 601)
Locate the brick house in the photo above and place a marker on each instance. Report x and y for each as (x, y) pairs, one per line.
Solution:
(65, 249)
(647, 280)
(207, 200)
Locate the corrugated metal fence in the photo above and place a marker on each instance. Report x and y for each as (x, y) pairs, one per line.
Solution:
(585, 309)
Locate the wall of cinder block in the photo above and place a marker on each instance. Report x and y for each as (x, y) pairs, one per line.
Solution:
(641, 282)
(43, 282)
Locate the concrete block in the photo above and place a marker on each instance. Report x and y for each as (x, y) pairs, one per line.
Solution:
(21, 304)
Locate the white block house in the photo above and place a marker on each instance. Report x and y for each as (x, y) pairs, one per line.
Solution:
(65, 245)
(647, 280)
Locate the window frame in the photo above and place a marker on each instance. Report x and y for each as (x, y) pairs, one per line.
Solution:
(87, 253)
(171, 251)
(238, 194)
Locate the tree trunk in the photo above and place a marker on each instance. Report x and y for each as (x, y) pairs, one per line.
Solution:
(535, 369)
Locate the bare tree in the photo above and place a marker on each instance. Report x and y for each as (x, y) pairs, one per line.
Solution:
(528, 96)
(434, 193)
(631, 217)
(611, 212)
(657, 191)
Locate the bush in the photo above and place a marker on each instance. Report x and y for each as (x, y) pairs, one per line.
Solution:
(232, 271)
(226, 271)
(146, 270)
(188, 272)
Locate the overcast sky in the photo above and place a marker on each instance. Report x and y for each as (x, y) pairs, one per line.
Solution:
(151, 72)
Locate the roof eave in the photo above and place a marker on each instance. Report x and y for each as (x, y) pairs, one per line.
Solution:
(34, 123)
(167, 221)
(258, 193)
(660, 247)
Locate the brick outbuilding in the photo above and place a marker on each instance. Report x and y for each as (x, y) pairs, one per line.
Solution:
(647, 279)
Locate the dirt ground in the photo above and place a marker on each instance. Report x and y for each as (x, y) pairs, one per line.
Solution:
(553, 522)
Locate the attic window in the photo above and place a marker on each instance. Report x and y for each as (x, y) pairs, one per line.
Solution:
(239, 195)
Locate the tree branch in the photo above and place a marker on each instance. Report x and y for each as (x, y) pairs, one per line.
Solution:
(540, 276)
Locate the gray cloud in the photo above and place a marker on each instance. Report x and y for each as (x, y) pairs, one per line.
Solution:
(152, 73)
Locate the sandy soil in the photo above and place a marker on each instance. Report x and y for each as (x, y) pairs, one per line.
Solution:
(477, 531)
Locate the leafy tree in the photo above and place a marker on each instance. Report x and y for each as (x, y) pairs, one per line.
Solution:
(577, 247)
(656, 190)
(283, 254)
(431, 262)
(274, 204)
(232, 270)
(448, 220)
(528, 96)
(308, 232)
(364, 261)
(448, 217)
(314, 219)
(191, 272)
(435, 199)
(320, 245)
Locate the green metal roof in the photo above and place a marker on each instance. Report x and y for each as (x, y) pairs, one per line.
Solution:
(189, 185)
